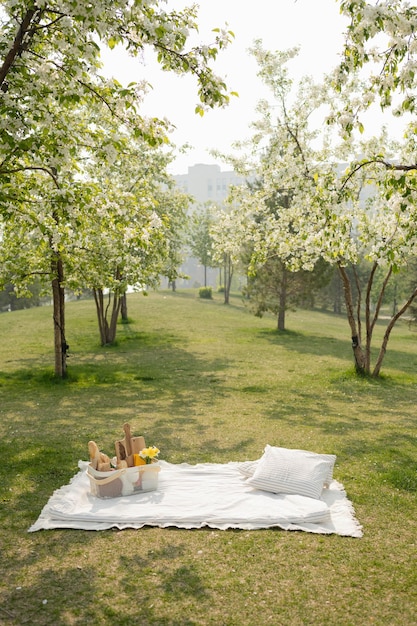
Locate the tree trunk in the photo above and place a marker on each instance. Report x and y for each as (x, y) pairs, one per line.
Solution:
(228, 275)
(358, 353)
(205, 275)
(58, 298)
(370, 324)
(282, 301)
(388, 330)
(358, 305)
(107, 327)
(123, 308)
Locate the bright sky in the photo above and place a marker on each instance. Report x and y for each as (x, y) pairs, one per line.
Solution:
(314, 25)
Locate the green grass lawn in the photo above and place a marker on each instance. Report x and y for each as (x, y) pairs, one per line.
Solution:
(206, 382)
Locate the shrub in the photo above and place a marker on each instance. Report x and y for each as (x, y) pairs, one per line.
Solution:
(205, 292)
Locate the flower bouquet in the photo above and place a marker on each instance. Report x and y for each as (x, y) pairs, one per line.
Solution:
(146, 456)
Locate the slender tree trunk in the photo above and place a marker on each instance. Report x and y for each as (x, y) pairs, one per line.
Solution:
(229, 280)
(370, 323)
(282, 301)
(205, 275)
(359, 356)
(99, 300)
(107, 327)
(281, 319)
(225, 274)
(113, 318)
(358, 304)
(228, 275)
(123, 308)
(388, 330)
(58, 298)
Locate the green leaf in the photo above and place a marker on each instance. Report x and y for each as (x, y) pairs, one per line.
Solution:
(112, 43)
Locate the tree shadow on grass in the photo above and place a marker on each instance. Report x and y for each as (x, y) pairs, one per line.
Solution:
(372, 403)
(146, 358)
(376, 432)
(303, 343)
(68, 594)
(330, 346)
(155, 387)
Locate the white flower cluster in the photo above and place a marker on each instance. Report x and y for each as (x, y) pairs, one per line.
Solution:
(301, 206)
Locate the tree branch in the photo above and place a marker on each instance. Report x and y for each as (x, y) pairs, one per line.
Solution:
(17, 46)
(80, 82)
(387, 164)
(33, 167)
(49, 24)
(294, 137)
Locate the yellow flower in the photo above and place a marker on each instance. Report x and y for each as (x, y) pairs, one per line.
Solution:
(149, 454)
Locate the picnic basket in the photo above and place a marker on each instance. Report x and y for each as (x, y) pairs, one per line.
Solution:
(123, 482)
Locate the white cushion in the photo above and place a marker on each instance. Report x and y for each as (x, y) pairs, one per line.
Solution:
(331, 458)
(282, 470)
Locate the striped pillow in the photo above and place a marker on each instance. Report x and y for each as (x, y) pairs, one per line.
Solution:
(326, 457)
(281, 470)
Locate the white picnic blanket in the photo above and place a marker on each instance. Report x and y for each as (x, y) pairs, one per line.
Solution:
(194, 496)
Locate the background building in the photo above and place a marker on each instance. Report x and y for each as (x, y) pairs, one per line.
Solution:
(205, 183)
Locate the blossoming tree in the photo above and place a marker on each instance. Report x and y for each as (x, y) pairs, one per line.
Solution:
(326, 215)
(379, 68)
(381, 50)
(49, 80)
(199, 237)
(132, 236)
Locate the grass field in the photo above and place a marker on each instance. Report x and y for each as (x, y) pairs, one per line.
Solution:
(206, 382)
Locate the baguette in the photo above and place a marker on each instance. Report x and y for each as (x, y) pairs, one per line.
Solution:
(104, 467)
(94, 454)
